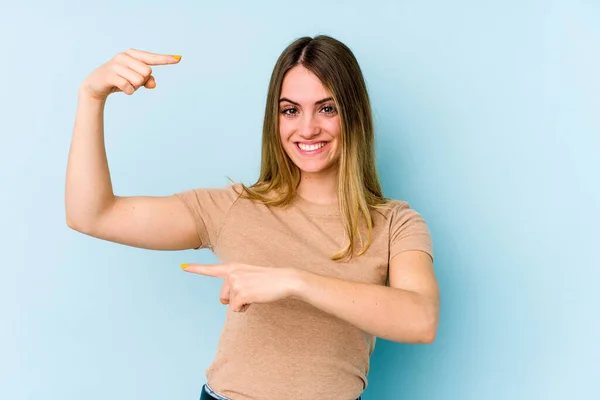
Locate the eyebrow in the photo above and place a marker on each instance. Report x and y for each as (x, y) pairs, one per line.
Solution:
(316, 102)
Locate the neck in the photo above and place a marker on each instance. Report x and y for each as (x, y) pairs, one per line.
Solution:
(321, 188)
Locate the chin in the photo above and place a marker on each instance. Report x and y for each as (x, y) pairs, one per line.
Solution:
(314, 168)
(322, 163)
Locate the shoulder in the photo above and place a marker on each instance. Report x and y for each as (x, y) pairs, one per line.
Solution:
(394, 210)
(232, 191)
(408, 229)
(211, 199)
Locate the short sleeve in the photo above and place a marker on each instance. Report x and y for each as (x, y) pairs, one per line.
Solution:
(408, 231)
(209, 209)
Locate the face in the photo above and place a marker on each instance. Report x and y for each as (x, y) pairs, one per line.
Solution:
(309, 123)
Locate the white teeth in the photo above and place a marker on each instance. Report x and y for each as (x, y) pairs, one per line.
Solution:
(311, 147)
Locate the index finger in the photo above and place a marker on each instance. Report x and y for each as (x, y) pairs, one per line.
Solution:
(216, 270)
(153, 58)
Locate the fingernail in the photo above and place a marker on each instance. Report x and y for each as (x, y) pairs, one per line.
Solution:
(177, 57)
(184, 266)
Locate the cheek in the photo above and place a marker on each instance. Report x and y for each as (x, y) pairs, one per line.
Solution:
(334, 128)
(285, 130)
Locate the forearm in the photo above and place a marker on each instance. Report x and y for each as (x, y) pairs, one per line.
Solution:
(389, 313)
(88, 189)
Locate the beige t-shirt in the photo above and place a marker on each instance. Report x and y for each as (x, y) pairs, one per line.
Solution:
(290, 349)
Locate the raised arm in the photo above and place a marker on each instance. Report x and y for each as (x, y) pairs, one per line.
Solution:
(159, 223)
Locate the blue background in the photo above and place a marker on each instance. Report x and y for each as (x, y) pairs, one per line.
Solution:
(488, 123)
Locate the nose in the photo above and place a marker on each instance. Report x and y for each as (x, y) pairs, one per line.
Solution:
(310, 127)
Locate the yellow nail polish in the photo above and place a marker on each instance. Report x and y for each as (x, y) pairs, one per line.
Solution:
(177, 57)
(184, 266)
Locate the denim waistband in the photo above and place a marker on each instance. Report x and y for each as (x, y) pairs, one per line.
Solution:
(208, 390)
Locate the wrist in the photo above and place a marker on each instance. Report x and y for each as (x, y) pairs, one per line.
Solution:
(86, 97)
(300, 283)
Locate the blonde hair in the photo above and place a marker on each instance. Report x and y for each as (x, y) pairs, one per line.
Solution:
(359, 189)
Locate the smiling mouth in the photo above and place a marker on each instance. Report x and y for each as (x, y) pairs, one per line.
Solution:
(310, 147)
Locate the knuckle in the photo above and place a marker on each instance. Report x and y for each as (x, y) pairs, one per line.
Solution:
(114, 65)
(120, 58)
(138, 81)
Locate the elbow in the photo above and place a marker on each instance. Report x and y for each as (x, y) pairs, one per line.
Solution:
(426, 329)
(429, 328)
(428, 335)
(422, 333)
(430, 320)
(420, 328)
(86, 218)
(72, 216)
(72, 221)
(83, 220)
(73, 224)
(77, 225)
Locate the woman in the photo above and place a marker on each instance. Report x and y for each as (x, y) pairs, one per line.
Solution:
(316, 262)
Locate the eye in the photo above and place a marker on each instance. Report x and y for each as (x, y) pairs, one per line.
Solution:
(328, 109)
(289, 111)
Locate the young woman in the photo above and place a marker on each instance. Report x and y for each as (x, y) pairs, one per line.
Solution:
(316, 261)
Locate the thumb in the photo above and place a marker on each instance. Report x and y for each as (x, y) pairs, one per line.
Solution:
(150, 83)
(224, 293)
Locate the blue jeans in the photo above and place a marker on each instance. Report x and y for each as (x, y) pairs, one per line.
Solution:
(209, 394)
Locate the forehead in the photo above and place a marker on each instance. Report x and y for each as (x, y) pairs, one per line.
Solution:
(302, 86)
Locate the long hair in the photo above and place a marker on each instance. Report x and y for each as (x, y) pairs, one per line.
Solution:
(359, 189)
